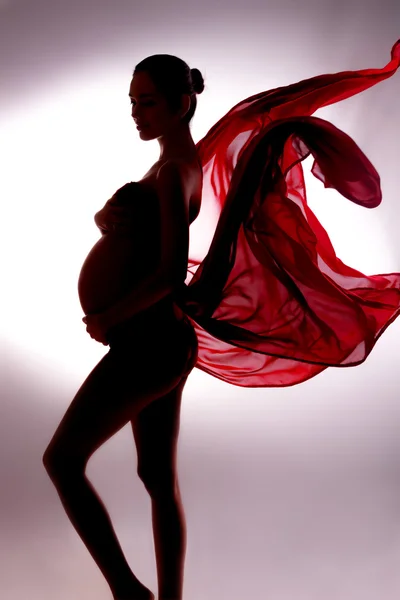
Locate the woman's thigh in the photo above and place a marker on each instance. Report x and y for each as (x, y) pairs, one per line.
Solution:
(137, 370)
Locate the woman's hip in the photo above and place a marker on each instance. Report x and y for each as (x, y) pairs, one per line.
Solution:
(163, 337)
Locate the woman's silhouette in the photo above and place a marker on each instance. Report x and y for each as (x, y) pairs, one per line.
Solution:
(270, 304)
(153, 347)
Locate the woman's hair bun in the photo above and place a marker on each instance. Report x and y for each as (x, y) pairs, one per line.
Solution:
(197, 80)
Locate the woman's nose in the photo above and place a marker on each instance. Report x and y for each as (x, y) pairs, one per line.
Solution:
(135, 112)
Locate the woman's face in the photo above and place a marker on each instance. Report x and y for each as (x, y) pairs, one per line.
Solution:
(149, 108)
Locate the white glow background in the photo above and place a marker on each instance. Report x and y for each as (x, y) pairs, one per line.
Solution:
(290, 494)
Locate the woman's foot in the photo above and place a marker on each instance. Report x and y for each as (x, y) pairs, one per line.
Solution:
(142, 596)
(139, 594)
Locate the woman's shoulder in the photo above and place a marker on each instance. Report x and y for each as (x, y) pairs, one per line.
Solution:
(185, 166)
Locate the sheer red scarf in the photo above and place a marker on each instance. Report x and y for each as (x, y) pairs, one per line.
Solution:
(271, 303)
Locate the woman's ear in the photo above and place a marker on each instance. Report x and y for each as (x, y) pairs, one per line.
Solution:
(185, 104)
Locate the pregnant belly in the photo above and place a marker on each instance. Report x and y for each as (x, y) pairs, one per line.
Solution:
(110, 270)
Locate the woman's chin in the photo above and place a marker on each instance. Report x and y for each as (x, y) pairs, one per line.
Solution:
(144, 133)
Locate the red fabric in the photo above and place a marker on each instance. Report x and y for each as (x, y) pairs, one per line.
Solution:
(271, 303)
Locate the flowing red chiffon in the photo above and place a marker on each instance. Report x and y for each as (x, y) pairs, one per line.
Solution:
(271, 303)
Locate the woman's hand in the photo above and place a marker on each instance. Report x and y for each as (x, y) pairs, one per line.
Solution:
(112, 216)
(96, 328)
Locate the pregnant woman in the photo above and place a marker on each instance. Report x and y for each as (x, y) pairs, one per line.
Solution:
(270, 305)
(126, 289)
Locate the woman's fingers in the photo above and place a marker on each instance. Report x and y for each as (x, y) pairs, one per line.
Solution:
(119, 214)
(113, 214)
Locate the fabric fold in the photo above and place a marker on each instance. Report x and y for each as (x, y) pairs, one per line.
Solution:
(271, 303)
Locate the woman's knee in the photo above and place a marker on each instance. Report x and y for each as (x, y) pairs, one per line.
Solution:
(158, 480)
(61, 464)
